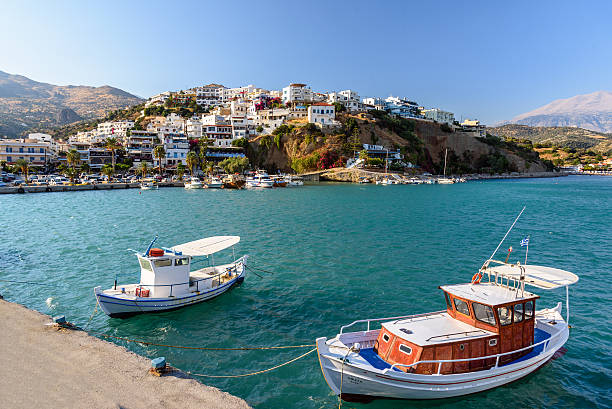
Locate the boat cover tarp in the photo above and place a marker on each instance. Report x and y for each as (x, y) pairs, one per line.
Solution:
(537, 276)
(207, 246)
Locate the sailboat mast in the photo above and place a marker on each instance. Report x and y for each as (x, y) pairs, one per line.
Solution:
(445, 154)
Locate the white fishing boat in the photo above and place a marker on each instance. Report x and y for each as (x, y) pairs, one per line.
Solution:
(167, 282)
(294, 181)
(193, 183)
(148, 185)
(490, 334)
(214, 183)
(261, 179)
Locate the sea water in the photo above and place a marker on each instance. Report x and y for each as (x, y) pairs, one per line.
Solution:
(332, 254)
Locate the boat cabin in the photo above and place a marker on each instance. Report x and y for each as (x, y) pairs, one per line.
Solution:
(164, 273)
(480, 320)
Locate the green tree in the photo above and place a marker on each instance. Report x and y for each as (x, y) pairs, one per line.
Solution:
(259, 129)
(144, 169)
(192, 161)
(85, 168)
(234, 165)
(108, 171)
(112, 145)
(159, 152)
(180, 170)
(24, 167)
(73, 157)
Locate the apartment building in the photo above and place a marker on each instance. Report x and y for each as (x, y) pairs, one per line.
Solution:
(217, 129)
(34, 151)
(297, 93)
(322, 114)
(438, 115)
(349, 98)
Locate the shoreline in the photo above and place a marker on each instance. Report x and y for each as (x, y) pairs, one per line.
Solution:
(44, 367)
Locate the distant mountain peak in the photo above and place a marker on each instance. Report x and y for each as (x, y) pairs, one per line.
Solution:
(25, 103)
(589, 111)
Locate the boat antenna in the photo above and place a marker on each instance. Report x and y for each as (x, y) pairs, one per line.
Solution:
(150, 245)
(505, 235)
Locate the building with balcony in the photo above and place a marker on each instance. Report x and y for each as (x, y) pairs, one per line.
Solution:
(349, 98)
(297, 93)
(438, 115)
(34, 151)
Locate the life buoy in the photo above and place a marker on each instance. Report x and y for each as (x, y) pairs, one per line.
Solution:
(476, 278)
(156, 252)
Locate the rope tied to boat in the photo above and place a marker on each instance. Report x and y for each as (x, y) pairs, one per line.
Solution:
(257, 372)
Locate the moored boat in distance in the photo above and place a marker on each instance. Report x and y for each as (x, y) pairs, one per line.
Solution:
(294, 181)
(260, 179)
(214, 183)
(167, 282)
(490, 334)
(193, 183)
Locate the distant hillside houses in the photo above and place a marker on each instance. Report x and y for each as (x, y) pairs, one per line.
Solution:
(228, 114)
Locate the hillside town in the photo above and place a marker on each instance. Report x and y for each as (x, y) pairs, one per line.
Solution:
(221, 117)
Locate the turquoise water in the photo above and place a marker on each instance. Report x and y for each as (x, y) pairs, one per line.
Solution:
(339, 252)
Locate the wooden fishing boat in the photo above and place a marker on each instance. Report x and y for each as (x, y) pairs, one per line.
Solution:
(490, 334)
(233, 182)
(167, 282)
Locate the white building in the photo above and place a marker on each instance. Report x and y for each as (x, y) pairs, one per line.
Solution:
(117, 129)
(474, 126)
(176, 146)
(296, 93)
(209, 95)
(438, 115)
(349, 98)
(158, 99)
(218, 130)
(322, 114)
(34, 151)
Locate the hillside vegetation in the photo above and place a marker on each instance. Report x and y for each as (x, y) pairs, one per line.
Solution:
(564, 137)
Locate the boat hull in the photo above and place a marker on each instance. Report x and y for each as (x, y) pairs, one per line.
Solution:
(121, 307)
(361, 383)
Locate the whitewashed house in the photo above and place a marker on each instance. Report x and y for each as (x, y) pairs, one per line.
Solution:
(322, 114)
(438, 115)
(297, 93)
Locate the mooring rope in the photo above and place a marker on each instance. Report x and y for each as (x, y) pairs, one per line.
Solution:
(253, 271)
(260, 269)
(254, 373)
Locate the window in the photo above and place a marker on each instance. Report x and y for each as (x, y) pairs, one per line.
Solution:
(181, 261)
(405, 349)
(145, 264)
(528, 310)
(386, 337)
(162, 263)
(518, 312)
(505, 315)
(448, 304)
(483, 313)
(462, 307)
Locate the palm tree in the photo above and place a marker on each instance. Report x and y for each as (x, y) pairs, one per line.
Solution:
(112, 145)
(73, 158)
(144, 169)
(159, 152)
(108, 171)
(192, 161)
(85, 168)
(24, 167)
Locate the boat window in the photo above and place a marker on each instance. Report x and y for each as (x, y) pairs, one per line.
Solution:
(162, 263)
(386, 337)
(483, 313)
(181, 261)
(505, 315)
(518, 312)
(448, 304)
(528, 310)
(462, 306)
(145, 264)
(405, 349)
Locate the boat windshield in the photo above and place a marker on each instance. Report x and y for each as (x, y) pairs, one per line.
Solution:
(483, 313)
(145, 264)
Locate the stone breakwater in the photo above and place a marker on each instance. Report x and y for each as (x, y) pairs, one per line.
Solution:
(43, 367)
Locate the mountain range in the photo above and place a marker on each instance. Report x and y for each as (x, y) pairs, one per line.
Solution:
(26, 104)
(589, 111)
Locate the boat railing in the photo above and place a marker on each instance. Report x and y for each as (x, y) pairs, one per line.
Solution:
(440, 362)
(217, 276)
(388, 318)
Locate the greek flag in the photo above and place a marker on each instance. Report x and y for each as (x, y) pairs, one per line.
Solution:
(525, 242)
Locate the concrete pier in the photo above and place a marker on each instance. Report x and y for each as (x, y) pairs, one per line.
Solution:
(43, 367)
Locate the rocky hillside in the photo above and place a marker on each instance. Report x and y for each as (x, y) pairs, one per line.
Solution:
(589, 111)
(25, 103)
(567, 137)
(301, 147)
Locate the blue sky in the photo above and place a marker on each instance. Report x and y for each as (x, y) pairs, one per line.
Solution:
(479, 59)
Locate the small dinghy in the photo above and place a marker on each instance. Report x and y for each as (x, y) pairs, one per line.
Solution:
(167, 282)
(490, 334)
